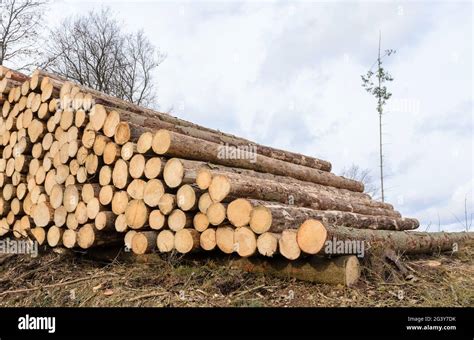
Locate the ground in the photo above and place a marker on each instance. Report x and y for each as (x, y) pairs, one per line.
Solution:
(115, 278)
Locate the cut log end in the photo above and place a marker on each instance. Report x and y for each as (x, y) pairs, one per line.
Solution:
(200, 222)
(219, 188)
(69, 238)
(186, 240)
(173, 173)
(86, 236)
(216, 213)
(156, 220)
(207, 239)
(288, 245)
(54, 236)
(260, 219)
(245, 242)
(311, 236)
(186, 197)
(238, 212)
(203, 178)
(165, 241)
(161, 142)
(267, 244)
(177, 220)
(144, 242)
(225, 239)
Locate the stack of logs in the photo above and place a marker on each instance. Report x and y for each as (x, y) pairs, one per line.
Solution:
(80, 168)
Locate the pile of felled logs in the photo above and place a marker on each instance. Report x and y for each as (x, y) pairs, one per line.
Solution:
(80, 168)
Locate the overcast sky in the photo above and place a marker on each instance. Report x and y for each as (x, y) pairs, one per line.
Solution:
(287, 74)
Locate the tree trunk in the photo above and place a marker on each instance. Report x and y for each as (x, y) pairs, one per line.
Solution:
(312, 239)
(278, 217)
(177, 145)
(343, 270)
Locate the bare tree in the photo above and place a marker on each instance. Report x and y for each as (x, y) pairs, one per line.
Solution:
(94, 50)
(362, 175)
(19, 31)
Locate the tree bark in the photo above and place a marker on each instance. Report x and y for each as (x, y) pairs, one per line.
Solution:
(343, 270)
(278, 217)
(311, 240)
(177, 145)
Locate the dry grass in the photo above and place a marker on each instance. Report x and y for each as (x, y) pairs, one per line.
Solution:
(72, 279)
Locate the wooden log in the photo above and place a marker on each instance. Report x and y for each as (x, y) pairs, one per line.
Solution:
(154, 167)
(81, 213)
(342, 270)
(238, 212)
(136, 189)
(55, 236)
(156, 220)
(105, 175)
(225, 239)
(60, 215)
(288, 245)
(207, 240)
(120, 174)
(136, 214)
(177, 145)
(128, 150)
(39, 235)
(121, 223)
(111, 123)
(267, 244)
(56, 196)
(204, 202)
(144, 242)
(153, 192)
(104, 220)
(111, 152)
(92, 164)
(167, 203)
(203, 178)
(71, 221)
(106, 194)
(206, 171)
(144, 142)
(216, 213)
(71, 198)
(157, 121)
(90, 191)
(100, 143)
(127, 240)
(69, 238)
(186, 197)
(137, 166)
(300, 194)
(278, 217)
(88, 237)
(312, 237)
(186, 240)
(119, 202)
(43, 214)
(200, 222)
(178, 220)
(97, 117)
(245, 241)
(122, 133)
(165, 241)
(179, 171)
(93, 208)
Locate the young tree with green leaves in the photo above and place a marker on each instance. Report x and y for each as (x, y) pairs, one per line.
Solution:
(373, 82)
